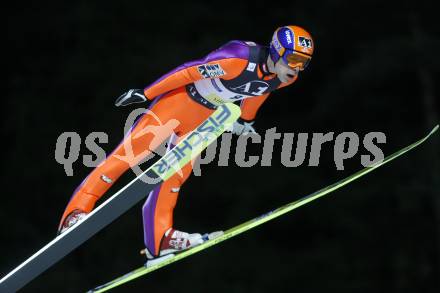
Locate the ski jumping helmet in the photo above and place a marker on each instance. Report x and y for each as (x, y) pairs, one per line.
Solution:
(293, 44)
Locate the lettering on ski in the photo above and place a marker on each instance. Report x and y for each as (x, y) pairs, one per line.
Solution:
(261, 219)
(189, 148)
(193, 143)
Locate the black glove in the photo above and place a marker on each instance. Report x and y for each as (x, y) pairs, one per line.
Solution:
(130, 97)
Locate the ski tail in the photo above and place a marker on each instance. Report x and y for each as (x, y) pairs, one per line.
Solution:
(189, 148)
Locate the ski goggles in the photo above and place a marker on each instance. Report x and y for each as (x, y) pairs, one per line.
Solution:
(294, 59)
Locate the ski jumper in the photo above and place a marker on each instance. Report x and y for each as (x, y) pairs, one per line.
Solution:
(183, 98)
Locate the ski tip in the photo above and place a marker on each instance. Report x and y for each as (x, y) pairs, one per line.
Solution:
(432, 131)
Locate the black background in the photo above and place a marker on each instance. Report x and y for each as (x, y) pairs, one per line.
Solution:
(375, 68)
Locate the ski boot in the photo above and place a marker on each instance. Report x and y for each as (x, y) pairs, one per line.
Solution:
(74, 217)
(174, 242)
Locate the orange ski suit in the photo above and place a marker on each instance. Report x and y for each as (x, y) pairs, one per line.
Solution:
(183, 99)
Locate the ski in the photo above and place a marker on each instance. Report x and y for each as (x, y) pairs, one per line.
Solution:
(259, 220)
(190, 147)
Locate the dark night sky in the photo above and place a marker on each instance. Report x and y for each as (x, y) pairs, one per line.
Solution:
(375, 68)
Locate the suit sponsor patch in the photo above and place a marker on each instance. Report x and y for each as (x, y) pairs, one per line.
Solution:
(253, 87)
(210, 70)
